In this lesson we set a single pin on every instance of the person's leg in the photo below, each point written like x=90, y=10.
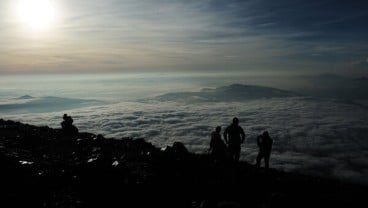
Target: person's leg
x=267, y=160
x=237, y=154
x=259, y=158
x=232, y=152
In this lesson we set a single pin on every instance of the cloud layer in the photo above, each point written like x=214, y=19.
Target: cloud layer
x=313, y=136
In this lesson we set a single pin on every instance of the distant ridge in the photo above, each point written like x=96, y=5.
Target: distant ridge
x=234, y=92
x=24, y=97
x=46, y=104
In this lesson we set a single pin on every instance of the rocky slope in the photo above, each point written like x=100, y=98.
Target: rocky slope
x=44, y=167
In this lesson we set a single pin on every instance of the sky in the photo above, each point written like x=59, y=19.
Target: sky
x=284, y=36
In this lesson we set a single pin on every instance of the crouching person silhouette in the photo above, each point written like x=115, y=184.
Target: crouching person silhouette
x=264, y=143
x=67, y=126
x=217, y=146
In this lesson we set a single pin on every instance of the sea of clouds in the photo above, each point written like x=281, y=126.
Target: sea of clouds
x=323, y=132
x=313, y=136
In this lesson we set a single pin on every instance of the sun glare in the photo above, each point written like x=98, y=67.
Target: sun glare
x=37, y=14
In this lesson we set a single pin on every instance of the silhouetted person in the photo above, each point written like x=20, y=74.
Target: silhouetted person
x=179, y=148
x=264, y=143
x=217, y=146
x=236, y=136
x=67, y=125
x=67, y=121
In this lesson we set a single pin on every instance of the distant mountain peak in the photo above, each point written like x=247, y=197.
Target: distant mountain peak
x=237, y=85
x=25, y=97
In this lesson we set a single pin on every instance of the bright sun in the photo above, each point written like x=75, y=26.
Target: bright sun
x=38, y=14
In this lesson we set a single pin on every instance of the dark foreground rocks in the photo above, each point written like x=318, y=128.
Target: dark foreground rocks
x=44, y=167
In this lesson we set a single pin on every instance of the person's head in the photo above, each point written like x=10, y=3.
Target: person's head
x=265, y=134
x=235, y=121
x=218, y=129
x=65, y=116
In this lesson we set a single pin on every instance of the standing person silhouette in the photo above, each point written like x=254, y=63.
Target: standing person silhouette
x=234, y=135
x=217, y=146
x=264, y=143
